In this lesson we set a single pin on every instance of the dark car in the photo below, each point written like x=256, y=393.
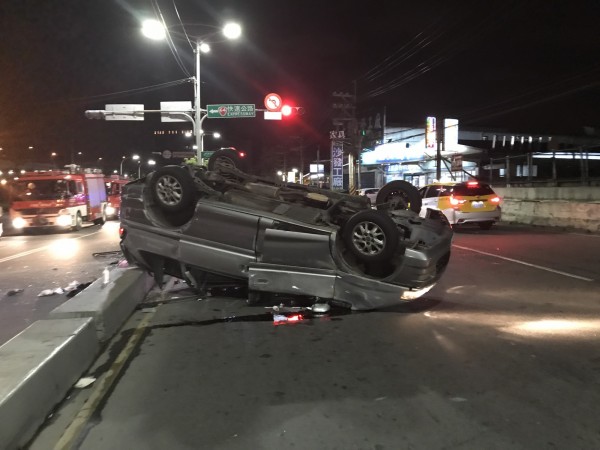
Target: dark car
x=219, y=223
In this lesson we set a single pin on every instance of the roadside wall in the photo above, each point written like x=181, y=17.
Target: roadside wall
x=572, y=207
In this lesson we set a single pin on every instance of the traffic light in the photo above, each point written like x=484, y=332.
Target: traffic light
x=291, y=111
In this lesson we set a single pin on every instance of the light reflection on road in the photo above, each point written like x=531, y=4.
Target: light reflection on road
x=556, y=327
x=564, y=326
x=64, y=248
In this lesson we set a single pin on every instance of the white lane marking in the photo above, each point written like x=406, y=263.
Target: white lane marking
x=566, y=274
x=40, y=249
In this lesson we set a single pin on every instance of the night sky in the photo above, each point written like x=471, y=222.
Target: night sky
x=531, y=66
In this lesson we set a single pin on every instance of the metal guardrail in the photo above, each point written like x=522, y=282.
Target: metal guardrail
x=559, y=168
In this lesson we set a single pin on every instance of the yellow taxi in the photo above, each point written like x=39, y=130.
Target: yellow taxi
x=468, y=202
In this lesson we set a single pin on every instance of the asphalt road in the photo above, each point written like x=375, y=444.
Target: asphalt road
x=502, y=354
x=34, y=263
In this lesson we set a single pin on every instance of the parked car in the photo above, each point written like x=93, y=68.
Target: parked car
x=217, y=224
x=470, y=202
x=370, y=193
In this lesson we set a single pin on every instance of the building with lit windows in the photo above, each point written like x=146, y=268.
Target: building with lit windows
x=501, y=157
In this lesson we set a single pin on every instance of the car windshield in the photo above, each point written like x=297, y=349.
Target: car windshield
x=472, y=189
x=24, y=190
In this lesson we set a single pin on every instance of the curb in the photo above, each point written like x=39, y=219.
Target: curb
x=41, y=364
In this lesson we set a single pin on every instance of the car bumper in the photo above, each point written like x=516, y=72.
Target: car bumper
x=458, y=217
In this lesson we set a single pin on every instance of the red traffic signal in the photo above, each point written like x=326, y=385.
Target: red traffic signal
x=290, y=111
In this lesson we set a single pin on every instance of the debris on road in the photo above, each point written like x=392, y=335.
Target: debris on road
x=48, y=292
x=84, y=382
x=72, y=286
x=80, y=287
x=13, y=292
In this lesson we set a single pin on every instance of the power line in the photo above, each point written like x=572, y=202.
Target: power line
x=170, y=42
x=125, y=93
x=183, y=26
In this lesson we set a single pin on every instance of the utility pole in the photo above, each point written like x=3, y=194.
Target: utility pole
x=440, y=144
x=344, y=123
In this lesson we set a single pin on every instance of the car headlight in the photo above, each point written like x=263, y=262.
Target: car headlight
x=110, y=210
x=18, y=222
x=64, y=218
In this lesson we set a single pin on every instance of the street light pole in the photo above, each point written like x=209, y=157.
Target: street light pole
x=198, y=108
x=156, y=30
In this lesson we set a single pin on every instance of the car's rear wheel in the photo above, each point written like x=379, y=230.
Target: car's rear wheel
x=371, y=236
x=172, y=188
x=227, y=158
x=485, y=225
x=399, y=194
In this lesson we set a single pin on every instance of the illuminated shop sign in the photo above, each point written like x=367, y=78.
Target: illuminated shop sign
x=430, y=133
x=395, y=152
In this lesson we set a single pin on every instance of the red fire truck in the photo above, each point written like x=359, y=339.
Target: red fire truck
x=58, y=198
x=113, y=191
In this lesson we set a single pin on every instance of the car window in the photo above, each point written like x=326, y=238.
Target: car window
x=432, y=191
x=477, y=189
x=444, y=191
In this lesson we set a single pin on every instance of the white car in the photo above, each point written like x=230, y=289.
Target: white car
x=371, y=193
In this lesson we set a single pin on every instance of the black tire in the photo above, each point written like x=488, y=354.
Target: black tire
x=78, y=222
x=399, y=194
x=102, y=219
x=371, y=236
x=172, y=188
x=226, y=158
x=485, y=225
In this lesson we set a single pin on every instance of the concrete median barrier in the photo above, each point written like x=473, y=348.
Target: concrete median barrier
x=108, y=302
x=41, y=364
x=38, y=367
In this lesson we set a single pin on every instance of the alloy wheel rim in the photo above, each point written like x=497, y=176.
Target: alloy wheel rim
x=169, y=190
x=368, y=238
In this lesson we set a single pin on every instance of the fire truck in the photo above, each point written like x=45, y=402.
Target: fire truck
x=113, y=191
x=58, y=199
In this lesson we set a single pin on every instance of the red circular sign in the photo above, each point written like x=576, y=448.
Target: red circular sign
x=223, y=110
x=273, y=102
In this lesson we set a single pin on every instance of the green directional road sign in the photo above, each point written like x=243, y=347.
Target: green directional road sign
x=235, y=111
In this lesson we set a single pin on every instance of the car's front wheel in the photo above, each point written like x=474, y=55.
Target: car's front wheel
x=172, y=188
x=78, y=222
x=399, y=194
x=371, y=236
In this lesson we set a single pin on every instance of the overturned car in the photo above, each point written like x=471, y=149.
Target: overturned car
x=219, y=223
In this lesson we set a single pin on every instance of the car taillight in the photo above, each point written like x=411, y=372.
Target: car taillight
x=280, y=319
x=472, y=183
x=241, y=154
x=495, y=200
x=454, y=201
x=122, y=232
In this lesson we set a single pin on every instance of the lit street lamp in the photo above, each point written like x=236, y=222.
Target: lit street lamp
x=215, y=135
x=123, y=158
x=151, y=162
x=155, y=30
